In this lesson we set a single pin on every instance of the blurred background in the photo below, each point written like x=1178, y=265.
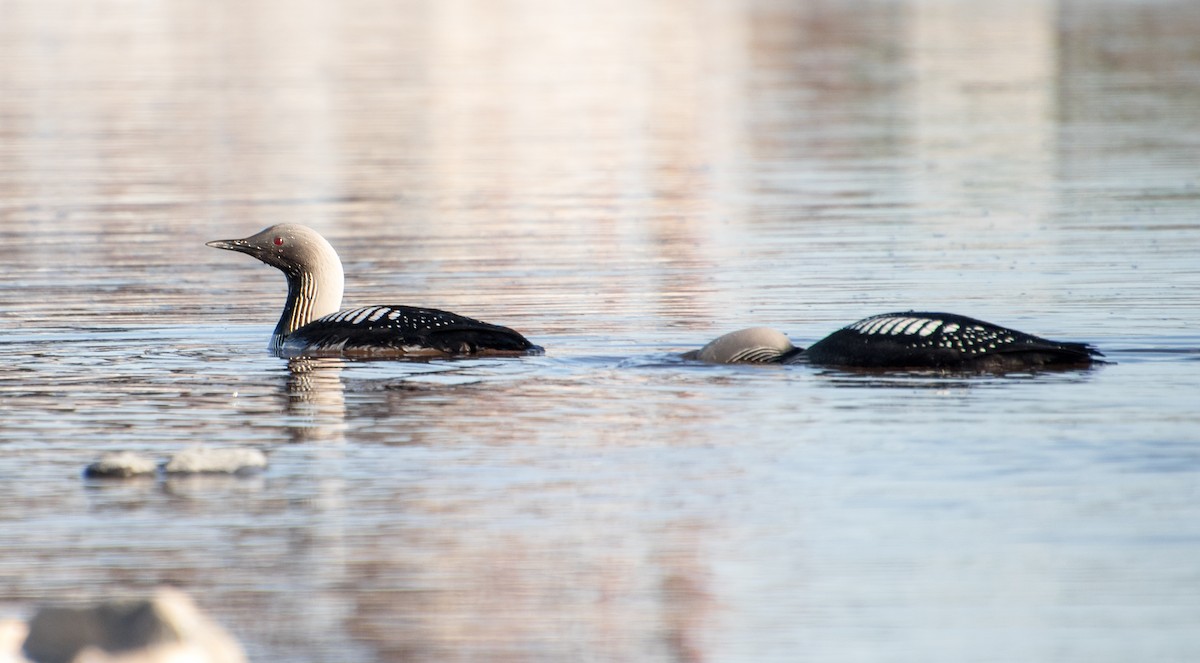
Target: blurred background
x=565, y=145
x=620, y=181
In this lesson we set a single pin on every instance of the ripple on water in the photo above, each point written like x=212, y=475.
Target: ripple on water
x=620, y=185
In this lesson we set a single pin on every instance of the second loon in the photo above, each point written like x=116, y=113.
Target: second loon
x=312, y=325
x=909, y=340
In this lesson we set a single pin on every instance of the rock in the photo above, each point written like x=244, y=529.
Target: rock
x=120, y=465
x=206, y=460
x=12, y=634
x=164, y=628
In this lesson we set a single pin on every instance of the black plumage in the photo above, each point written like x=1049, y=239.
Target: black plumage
x=387, y=330
x=916, y=339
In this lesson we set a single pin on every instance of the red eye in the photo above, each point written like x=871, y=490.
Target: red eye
x=278, y=241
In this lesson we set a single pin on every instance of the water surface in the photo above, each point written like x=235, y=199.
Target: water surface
x=621, y=182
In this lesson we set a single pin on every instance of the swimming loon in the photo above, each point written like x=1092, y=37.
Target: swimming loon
x=904, y=340
x=756, y=345
x=312, y=325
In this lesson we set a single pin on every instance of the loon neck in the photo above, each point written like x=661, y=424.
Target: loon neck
x=311, y=294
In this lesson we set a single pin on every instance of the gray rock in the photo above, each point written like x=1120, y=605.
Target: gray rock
x=166, y=627
x=207, y=460
x=120, y=465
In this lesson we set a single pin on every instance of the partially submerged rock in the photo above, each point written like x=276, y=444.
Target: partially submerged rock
x=120, y=465
x=12, y=634
x=165, y=627
x=207, y=460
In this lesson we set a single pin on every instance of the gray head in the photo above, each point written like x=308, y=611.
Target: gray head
x=314, y=272
x=287, y=246
x=755, y=345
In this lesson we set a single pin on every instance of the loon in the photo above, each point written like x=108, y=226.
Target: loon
x=908, y=340
x=313, y=326
x=756, y=345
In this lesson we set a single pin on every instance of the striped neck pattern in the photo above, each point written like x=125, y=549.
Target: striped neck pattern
x=309, y=297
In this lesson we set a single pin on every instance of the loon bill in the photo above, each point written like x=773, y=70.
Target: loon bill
x=905, y=341
x=313, y=325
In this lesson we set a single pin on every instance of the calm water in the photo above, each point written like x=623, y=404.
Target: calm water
x=621, y=181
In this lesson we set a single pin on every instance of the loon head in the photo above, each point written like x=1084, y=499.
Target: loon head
x=313, y=270
x=755, y=345
x=289, y=247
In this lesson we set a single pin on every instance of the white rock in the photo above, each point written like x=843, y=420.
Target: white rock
x=12, y=634
x=164, y=628
x=120, y=464
x=206, y=460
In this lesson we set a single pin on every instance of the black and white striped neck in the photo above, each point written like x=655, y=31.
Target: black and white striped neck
x=311, y=295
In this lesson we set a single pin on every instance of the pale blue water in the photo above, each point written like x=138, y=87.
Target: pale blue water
x=620, y=182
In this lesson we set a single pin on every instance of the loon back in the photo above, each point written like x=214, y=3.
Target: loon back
x=942, y=340
x=402, y=331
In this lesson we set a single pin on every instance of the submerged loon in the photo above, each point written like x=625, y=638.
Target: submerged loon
x=312, y=325
x=756, y=345
x=904, y=340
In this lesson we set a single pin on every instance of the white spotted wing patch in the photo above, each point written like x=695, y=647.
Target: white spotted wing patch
x=889, y=325
x=927, y=339
x=402, y=331
x=394, y=317
x=896, y=324
x=874, y=326
x=363, y=314
x=924, y=331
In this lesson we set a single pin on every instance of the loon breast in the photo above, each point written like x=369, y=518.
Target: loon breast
x=402, y=331
x=942, y=340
